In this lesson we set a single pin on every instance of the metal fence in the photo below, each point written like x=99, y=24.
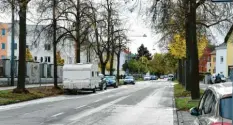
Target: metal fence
x=35, y=72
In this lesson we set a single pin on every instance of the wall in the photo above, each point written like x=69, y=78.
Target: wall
x=3, y=39
x=33, y=73
x=213, y=64
x=221, y=67
x=230, y=53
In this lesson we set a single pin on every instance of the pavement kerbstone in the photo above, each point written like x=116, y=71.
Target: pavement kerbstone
x=185, y=118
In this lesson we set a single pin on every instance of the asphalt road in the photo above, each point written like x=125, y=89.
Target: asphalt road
x=146, y=103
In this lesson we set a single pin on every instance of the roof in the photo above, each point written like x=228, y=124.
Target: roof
x=79, y=66
x=221, y=46
x=228, y=34
x=222, y=89
x=213, y=52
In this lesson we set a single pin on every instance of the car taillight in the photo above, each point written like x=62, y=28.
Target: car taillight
x=220, y=123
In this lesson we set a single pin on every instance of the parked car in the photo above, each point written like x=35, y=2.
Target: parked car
x=153, y=77
x=103, y=84
x=170, y=77
x=217, y=79
x=215, y=107
x=129, y=80
x=161, y=77
x=146, y=77
x=111, y=81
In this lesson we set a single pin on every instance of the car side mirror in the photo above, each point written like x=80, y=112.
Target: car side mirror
x=194, y=111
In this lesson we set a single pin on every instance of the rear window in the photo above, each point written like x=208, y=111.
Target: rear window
x=226, y=108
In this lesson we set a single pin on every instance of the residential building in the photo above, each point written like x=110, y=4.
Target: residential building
x=204, y=66
x=41, y=47
x=221, y=59
x=229, y=42
x=3, y=40
x=213, y=62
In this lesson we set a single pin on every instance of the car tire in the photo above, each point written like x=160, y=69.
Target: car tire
x=115, y=85
x=94, y=90
x=102, y=87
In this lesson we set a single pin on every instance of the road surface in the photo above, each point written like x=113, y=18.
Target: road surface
x=146, y=103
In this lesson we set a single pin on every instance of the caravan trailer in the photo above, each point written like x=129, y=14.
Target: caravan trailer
x=81, y=77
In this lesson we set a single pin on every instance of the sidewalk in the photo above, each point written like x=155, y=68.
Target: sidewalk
x=184, y=118
x=28, y=86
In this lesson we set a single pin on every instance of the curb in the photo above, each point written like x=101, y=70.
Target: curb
x=175, y=113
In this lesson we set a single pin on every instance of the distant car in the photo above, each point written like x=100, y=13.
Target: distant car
x=161, y=77
x=111, y=81
x=146, y=77
x=216, y=79
x=215, y=107
x=129, y=80
x=153, y=77
x=170, y=77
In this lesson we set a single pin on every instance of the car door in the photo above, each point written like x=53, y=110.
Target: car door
x=207, y=108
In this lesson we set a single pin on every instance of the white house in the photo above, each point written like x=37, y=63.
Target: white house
x=41, y=48
x=221, y=59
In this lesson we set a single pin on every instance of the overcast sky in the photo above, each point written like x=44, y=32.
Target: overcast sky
x=137, y=23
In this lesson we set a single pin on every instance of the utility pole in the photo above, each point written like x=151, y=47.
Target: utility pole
x=12, y=42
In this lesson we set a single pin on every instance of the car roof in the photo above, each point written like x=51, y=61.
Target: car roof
x=222, y=89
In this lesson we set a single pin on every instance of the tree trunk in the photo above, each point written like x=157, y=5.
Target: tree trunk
x=118, y=67
x=187, y=39
x=111, y=63
x=22, y=48
x=180, y=71
x=78, y=46
x=54, y=45
x=103, y=67
x=195, y=93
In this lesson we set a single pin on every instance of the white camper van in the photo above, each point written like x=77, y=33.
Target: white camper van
x=81, y=77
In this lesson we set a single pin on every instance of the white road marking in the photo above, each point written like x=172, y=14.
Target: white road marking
x=76, y=118
x=80, y=107
x=98, y=100
x=58, y=114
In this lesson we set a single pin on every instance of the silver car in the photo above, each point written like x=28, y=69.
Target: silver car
x=215, y=107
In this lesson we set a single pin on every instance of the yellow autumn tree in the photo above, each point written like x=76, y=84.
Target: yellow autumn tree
x=28, y=55
x=60, y=61
x=178, y=46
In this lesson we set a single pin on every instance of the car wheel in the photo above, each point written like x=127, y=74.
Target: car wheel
x=94, y=90
x=105, y=87
x=115, y=85
x=125, y=83
x=102, y=87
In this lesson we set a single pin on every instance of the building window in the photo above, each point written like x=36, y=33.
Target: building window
x=15, y=45
x=3, y=57
x=92, y=74
x=47, y=47
x=35, y=58
x=48, y=58
x=35, y=45
x=3, y=46
x=26, y=46
x=3, y=32
x=214, y=59
x=41, y=59
x=221, y=59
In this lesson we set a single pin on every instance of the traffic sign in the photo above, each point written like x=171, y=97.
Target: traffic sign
x=222, y=0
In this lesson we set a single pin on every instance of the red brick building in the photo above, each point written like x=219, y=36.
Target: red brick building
x=204, y=61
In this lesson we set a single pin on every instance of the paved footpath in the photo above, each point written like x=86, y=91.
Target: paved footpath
x=27, y=86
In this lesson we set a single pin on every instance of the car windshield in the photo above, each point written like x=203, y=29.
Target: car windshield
x=129, y=77
x=226, y=108
x=110, y=77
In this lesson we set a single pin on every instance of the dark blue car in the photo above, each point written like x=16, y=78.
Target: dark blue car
x=111, y=81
